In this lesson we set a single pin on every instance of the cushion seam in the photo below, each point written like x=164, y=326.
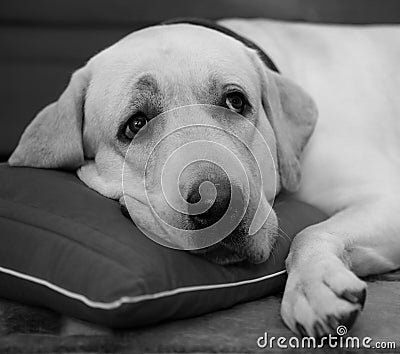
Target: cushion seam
x=126, y=300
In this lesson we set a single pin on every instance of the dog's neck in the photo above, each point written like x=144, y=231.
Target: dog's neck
x=215, y=26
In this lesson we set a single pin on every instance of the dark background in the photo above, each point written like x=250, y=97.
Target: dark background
x=43, y=41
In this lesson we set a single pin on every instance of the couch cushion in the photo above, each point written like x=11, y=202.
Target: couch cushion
x=65, y=247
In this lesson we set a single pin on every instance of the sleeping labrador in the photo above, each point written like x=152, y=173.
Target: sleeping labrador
x=349, y=160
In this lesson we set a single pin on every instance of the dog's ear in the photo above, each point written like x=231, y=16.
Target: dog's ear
x=292, y=114
x=54, y=138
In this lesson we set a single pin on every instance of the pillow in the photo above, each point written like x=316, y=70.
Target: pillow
x=67, y=248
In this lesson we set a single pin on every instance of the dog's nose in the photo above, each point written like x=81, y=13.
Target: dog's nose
x=213, y=196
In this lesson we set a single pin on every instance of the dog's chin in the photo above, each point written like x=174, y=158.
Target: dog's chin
x=221, y=255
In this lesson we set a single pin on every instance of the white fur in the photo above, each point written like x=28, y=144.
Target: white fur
x=351, y=166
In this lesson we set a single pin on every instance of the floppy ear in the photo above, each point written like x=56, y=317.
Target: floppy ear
x=293, y=115
x=54, y=138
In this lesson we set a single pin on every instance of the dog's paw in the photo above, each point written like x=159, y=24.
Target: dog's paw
x=321, y=296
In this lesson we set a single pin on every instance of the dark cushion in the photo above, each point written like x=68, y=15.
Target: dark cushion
x=67, y=248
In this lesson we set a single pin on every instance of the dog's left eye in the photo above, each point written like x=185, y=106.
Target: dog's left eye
x=235, y=101
x=135, y=123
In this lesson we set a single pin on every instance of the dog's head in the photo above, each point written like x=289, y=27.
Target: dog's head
x=107, y=114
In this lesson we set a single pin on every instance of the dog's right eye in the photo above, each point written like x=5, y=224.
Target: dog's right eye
x=236, y=101
x=135, y=123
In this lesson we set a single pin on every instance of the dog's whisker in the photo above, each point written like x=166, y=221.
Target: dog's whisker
x=281, y=232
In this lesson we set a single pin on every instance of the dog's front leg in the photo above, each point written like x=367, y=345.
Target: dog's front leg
x=322, y=290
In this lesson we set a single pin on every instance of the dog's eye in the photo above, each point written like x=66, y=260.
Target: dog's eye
x=235, y=101
x=137, y=122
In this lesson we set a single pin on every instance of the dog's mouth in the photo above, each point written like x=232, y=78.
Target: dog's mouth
x=230, y=250
x=237, y=247
x=220, y=254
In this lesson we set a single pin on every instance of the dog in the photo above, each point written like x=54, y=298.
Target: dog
x=346, y=162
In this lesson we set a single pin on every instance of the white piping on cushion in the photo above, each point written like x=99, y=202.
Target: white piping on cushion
x=132, y=299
